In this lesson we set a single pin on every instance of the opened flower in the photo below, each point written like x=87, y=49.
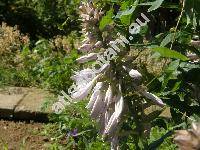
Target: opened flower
x=107, y=101
x=188, y=139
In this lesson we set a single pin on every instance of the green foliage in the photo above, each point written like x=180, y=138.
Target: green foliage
x=46, y=18
x=178, y=83
x=106, y=20
x=166, y=52
x=54, y=68
x=155, y=5
x=126, y=13
x=75, y=117
x=43, y=66
x=159, y=137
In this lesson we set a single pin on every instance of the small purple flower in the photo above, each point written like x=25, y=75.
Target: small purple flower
x=74, y=133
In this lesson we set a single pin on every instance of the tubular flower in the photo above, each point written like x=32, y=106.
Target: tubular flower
x=106, y=103
x=115, y=118
x=83, y=77
x=90, y=17
x=85, y=80
x=98, y=106
x=83, y=91
x=188, y=139
x=86, y=58
x=137, y=76
x=94, y=96
x=86, y=47
x=153, y=98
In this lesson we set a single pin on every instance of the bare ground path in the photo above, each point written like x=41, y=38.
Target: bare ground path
x=22, y=136
x=24, y=103
x=18, y=103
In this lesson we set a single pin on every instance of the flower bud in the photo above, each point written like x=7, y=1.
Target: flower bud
x=95, y=95
x=135, y=74
x=154, y=98
x=83, y=91
x=85, y=16
x=86, y=58
x=86, y=48
x=98, y=44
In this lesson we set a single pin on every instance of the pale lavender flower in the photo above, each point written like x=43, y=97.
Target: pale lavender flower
x=86, y=47
x=98, y=44
x=104, y=68
x=135, y=74
x=83, y=77
x=83, y=91
x=86, y=58
x=115, y=118
x=96, y=93
x=98, y=106
x=137, y=77
x=105, y=107
x=153, y=98
x=109, y=96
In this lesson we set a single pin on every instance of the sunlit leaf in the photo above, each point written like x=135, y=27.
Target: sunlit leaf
x=155, y=5
x=126, y=12
x=106, y=20
x=167, y=39
x=166, y=52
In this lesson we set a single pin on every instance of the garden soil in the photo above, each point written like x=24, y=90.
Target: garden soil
x=22, y=135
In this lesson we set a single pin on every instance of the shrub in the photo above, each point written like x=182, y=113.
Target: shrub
x=11, y=40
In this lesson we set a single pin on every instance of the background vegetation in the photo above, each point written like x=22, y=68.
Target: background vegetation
x=38, y=47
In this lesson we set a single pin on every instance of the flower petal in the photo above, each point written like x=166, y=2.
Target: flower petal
x=86, y=58
x=135, y=74
x=84, y=76
x=98, y=106
x=86, y=47
x=83, y=92
x=94, y=96
x=114, y=120
x=154, y=98
x=98, y=44
x=112, y=124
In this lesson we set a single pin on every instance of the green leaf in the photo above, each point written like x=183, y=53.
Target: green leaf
x=154, y=5
x=167, y=39
x=166, y=52
x=192, y=10
x=130, y=11
x=126, y=19
x=171, y=72
x=106, y=20
x=176, y=86
x=155, y=144
x=183, y=38
x=126, y=13
x=173, y=66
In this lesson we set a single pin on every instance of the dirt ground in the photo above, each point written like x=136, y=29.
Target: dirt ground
x=22, y=136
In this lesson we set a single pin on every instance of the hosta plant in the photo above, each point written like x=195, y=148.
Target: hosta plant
x=114, y=84
x=134, y=59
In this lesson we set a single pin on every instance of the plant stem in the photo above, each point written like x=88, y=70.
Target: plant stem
x=179, y=19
